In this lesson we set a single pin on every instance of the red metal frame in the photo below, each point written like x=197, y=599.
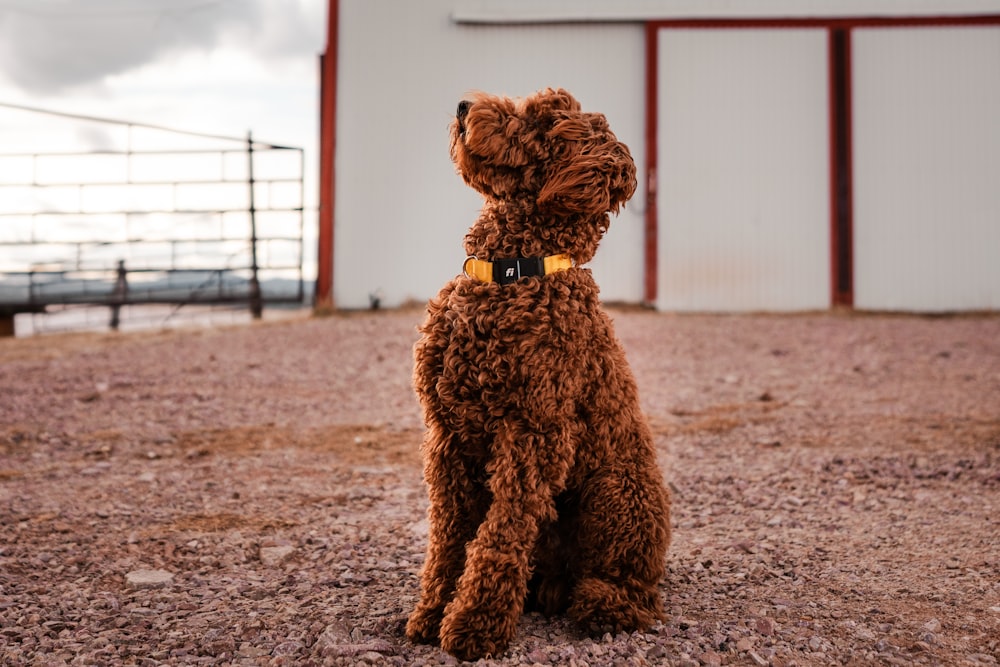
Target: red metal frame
x=327, y=161
x=651, y=238
x=841, y=116
x=839, y=238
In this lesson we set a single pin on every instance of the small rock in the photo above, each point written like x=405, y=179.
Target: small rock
x=757, y=659
x=710, y=659
x=336, y=633
x=248, y=650
x=288, y=648
x=145, y=579
x=932, y=625
x=539, y=655
x=656, y=652
x=275, y=555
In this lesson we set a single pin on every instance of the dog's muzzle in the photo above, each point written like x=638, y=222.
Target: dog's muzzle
x=460, y=114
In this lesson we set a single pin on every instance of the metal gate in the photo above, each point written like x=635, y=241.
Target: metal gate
x=149, y=215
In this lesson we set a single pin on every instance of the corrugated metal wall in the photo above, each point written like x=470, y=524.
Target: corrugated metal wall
x=401, y=211
x=927, y=168
x=743, y=183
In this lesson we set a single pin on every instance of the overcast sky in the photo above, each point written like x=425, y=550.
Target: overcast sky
x=218, y=66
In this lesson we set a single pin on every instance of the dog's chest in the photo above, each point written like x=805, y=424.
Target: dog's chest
x=490, y=347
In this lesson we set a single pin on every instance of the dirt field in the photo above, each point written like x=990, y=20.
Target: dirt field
x=836, y=494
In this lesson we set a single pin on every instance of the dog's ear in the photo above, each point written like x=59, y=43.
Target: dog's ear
x=495, y=134
x=598, y=174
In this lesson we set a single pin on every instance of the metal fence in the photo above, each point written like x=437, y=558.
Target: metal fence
x=154, y=216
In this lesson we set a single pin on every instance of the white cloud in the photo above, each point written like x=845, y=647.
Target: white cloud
x=53, y=46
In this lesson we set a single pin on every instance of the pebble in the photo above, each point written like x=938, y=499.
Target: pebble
x=148, y=579
x=538, y=655
x=275, y=555
x=96, y=469
x=710, y=659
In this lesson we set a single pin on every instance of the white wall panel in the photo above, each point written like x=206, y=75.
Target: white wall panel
x=927, y=168
x=401, y=211
x=743, y=182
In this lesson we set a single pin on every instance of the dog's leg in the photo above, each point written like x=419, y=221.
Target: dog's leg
x=623, y=537
x=457, y=505
x=482, y=619
x=552, y=577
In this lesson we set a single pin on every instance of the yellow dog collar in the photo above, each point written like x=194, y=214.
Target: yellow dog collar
x=506, y=271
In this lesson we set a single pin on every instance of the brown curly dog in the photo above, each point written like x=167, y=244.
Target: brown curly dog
x=543, y=483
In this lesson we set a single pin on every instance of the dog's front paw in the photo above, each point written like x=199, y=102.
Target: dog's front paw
x=600, y=606
x=424, y=625
x=470, y=634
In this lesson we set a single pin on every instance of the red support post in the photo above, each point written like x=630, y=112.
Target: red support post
x=327, y=162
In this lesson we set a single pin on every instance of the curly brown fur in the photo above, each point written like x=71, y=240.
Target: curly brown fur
x=539, y=463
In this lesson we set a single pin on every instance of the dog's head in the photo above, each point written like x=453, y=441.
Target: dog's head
x=543, y=154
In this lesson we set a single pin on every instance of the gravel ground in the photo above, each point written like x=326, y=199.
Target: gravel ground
x=252, y=495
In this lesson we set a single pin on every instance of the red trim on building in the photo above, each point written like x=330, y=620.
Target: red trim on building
x=841, y=139
x=327, y=161
x=841, y=169
x=651, y=233
x=846, y=23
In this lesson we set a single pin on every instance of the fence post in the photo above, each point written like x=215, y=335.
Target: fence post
x=256, y=305
x=6, y=323
x=118, y=295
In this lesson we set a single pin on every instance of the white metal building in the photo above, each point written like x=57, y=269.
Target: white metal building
x=793, y=154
